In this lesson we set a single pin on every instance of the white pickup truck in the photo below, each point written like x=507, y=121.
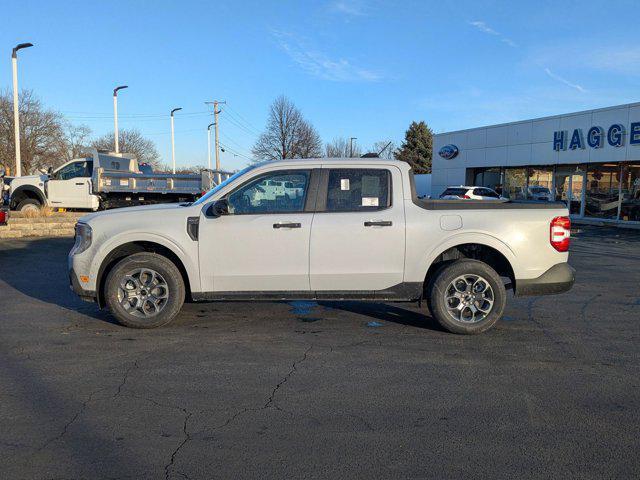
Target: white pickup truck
x=107, y=180
x=357, y=231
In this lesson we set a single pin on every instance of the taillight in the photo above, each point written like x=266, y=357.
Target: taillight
x=466, y=197
x=3, y=217
x=560, y=233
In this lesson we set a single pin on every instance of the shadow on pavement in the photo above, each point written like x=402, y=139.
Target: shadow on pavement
x=388, y=313
x=38, y=268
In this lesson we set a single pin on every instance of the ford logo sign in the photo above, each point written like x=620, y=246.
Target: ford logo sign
x=448, y=152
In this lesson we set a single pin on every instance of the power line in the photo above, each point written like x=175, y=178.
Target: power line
x=229, y=139
x=233, y=113
x=132, y=115
x=235, y=152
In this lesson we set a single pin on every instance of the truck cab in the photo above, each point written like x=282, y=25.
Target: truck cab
x=68, y=186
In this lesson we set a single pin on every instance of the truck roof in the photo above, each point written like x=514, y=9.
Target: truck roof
x=338, y=161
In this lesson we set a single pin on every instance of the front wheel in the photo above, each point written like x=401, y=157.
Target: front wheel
x=467, y=297
x=29, y=206
x=144, y=290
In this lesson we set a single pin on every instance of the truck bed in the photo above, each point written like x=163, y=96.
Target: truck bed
x=486, y=204
x=110, y=181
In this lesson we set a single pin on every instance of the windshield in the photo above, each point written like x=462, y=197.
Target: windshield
x=215, y=189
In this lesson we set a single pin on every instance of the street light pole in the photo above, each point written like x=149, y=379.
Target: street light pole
x=173, y=145
x=209, y=145
x=16, y=111
x=351, y=146
x=115, y=116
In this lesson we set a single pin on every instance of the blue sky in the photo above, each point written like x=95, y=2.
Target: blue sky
x=355, y=68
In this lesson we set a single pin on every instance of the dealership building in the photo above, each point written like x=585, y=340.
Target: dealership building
x=589, y=160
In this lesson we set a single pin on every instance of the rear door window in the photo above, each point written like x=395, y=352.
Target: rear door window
x=358, y=189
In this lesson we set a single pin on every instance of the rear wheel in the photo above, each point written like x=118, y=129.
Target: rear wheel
x=467, y=297
x=144, y=290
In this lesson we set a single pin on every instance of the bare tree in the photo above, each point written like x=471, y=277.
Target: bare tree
x=340, y=147
x=130, y=141
x=76, y=140
x=288, y=134
x=42, y=134
x=385, y=149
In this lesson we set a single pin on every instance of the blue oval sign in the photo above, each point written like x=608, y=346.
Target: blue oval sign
x=448, y=152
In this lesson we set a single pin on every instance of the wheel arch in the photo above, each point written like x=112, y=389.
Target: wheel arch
x=486, y=249
x=125, y=249
x=24, y=192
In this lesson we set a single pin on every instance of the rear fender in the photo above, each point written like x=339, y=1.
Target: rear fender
x=467, y=238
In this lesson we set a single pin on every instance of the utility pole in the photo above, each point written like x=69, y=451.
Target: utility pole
x=115, y=116
x=209, y=145
x=173, y=145
x=16, y=111
x=351, y=146
x=215, y=124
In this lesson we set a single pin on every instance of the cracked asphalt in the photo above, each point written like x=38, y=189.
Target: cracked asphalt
x=329, y=390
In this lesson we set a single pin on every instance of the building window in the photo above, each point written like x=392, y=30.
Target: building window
x=488, y=177
x=540, y=184
x=515, y=183
x=602, y=191
x=630, y=193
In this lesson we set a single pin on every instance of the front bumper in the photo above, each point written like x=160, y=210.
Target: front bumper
x=558, y=279
x=74, y=284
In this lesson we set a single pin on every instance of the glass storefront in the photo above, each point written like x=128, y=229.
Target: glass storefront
x=602, y=191
x=630, y=193
x=515, y=183
x=608, y=191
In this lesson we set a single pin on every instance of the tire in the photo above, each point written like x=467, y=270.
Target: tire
x=466, y=297
x=154, y=288
x=29, y=204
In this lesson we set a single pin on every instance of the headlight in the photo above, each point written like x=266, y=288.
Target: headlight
x=83, y=238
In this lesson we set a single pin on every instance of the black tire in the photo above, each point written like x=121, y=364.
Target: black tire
x=441, y=282
x=27, y=204
x=169, y=273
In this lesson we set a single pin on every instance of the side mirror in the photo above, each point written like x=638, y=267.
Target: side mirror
x=49, y=170
x=219, y=208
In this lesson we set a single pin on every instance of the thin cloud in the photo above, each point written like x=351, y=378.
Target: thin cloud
x=484, y=28
x=345, y=7
x=318, y=64
x=558, y=78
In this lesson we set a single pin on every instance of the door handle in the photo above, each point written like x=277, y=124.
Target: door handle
x=381, y=223
x=79, y=183
x=287, y=225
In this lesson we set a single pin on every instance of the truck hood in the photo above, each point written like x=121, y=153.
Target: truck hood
x=127, y=211
x=28, y=180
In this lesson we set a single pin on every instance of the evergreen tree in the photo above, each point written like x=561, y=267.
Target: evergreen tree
x=417, y=148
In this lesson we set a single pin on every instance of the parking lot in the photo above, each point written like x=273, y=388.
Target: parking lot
x=306, y=390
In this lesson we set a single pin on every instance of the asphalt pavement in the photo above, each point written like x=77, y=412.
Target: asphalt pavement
x=328, y=390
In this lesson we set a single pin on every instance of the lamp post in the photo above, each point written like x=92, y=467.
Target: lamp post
x=173, y=145
x=209, y=145
x=16, y=111
x=115, y=116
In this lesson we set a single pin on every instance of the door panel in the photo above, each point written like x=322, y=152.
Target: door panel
x=263, y=244
x=247, y=253
x=74, y=193
x=70, y=186
x=358, y=250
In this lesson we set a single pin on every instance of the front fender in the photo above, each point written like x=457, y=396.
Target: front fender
x=188, y=259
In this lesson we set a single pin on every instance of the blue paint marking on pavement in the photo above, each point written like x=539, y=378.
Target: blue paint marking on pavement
x=374, y=324
x=302, y=307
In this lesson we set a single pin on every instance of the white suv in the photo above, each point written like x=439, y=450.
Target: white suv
x=464, y=192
